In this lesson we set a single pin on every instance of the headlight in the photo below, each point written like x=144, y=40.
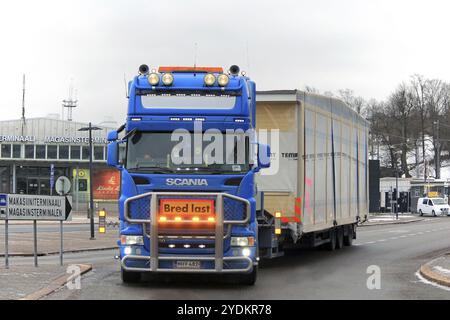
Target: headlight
x=153, y=79
x=223, y=80
x=167, y=79
x=132, y=240
x=210, y=79
x=242, y=241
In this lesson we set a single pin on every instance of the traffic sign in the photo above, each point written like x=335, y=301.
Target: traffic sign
x=35, y=207
x=62, y=186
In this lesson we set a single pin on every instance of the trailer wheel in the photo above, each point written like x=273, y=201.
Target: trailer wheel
x=249, y=279
x=348, y=239
x=130, y=277
x=331, y=245
x=339, y=237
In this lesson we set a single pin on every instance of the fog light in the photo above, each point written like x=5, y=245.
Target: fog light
x=153, y=79
x=167, y=79
x=223, y=80
x=210, y=79
x=128, y=251
x=246, y=252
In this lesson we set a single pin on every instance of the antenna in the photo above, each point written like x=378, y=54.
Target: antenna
x=195, y=54
x=248, y=58
x=70, y=103
x=126, y=86
x=23, y=107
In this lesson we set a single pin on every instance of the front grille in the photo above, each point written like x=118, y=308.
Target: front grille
x=140, y=209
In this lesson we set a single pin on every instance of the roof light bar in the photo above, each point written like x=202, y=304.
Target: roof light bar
x=191, y=69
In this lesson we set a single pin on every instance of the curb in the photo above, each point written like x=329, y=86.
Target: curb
x=390, y=223
x=427, y=272
x=56, y=284
x=52, y=253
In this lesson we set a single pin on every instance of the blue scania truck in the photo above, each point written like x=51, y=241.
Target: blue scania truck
x=196, y=215
x=189, y=159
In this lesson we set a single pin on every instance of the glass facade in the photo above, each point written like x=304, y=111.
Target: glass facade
x=51, y=152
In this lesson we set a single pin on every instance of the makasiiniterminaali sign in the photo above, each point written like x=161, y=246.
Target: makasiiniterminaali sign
x=36, y=207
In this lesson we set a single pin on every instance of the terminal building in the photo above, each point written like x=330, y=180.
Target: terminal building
x=28, y=151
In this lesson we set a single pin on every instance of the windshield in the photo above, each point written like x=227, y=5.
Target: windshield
x=186, y=153
x=439, y=201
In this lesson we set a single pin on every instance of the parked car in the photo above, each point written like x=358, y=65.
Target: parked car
x=433, y=206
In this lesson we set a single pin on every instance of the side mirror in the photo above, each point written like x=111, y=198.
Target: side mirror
x=113, y=154
x=113, y=136
x=264, y=154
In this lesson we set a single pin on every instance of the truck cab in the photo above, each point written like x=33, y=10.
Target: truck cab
x=187, y=199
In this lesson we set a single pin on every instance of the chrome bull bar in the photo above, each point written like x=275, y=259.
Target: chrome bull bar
x=219, y=231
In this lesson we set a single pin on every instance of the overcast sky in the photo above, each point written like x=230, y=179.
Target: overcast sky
x=368, y=46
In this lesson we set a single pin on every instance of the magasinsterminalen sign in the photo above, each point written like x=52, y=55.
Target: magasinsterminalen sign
x=35, y=207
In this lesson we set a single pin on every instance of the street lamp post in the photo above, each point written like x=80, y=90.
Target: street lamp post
x=91, y=191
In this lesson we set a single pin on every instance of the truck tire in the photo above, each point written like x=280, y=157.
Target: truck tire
x=331, y=245
x=348, y=239
x=130, y=277
x=339, y=238
x=249, y=279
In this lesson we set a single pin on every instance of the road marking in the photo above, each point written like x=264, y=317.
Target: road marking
x=425, y=281
x=402, y=236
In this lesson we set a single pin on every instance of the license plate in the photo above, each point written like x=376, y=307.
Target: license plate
x=187, y=265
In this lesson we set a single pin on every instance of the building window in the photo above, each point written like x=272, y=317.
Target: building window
x=6, y=151
x=52, y=152
x=86, y=153
x=29, y=151
x=75, y=152
x=17, y=151
x=40, y=152
x=98, y=153
x=63, y=152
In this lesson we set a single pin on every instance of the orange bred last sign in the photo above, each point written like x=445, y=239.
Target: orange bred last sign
x=186, y=206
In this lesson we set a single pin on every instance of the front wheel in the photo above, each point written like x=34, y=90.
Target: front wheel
x=434, y=213
x=249, y=279
x=130, y=277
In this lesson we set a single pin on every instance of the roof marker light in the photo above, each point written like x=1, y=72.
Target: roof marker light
x=175, y=119
x=239, y=120
x=188, y=119
x=200, y=119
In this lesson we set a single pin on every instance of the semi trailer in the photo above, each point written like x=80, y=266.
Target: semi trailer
x=202, y=191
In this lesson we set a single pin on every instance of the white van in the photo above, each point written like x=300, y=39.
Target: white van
x=433, y=206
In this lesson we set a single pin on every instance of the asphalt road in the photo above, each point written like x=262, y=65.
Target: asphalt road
x=398, y=250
